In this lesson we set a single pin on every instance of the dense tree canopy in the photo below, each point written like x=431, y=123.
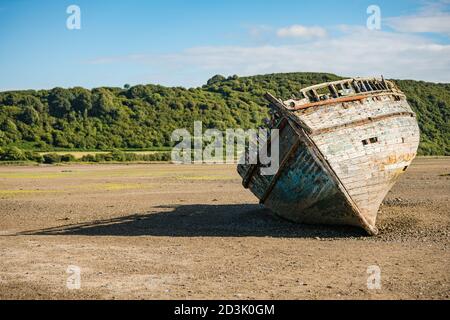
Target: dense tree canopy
x=144, y=116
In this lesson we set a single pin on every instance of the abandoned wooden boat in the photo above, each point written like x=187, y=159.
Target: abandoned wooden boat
x=342, y=147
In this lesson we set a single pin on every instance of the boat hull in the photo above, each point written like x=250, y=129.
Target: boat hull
x=338, y=161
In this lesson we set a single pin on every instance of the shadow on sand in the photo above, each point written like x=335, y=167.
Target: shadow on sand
x=248, y=220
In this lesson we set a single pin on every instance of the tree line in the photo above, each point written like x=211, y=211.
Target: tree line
x=144, y=116
x=14, y=154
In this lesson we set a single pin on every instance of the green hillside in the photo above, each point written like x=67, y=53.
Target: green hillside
x=143, y=116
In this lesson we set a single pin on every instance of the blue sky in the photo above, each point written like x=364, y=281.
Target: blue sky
x=183, y=43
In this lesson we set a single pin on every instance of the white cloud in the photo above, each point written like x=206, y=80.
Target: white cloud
x=359, y=52
x=356, y=52
x=435, y=23
x=299, y=31
x=433, y=17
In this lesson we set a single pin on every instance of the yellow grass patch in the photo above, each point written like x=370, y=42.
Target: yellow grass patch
x=81, y=154
x=13, y=193
x=206, y=178
x=111, y=186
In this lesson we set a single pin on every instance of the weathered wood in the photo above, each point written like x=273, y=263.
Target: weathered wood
x=284, y=111
x=280, y=170
x=347, y=154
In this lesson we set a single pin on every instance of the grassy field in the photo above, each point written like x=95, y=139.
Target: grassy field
x=80, y=154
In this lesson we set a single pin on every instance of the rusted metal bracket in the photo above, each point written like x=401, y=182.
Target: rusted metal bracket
x=329, y=101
